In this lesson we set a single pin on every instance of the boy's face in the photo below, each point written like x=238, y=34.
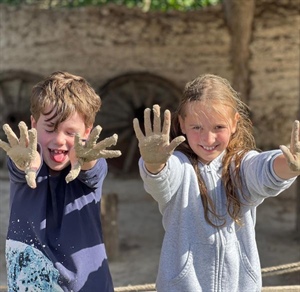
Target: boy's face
x=56, y=145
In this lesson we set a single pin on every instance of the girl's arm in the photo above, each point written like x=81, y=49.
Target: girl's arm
x=155, y=146
x=287, y=165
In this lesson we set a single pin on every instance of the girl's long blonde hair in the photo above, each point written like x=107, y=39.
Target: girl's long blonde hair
x=211, y=89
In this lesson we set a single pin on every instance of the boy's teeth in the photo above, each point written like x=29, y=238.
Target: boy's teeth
x=58, y=151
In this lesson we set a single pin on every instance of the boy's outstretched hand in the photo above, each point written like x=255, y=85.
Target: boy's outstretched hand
x=90, y=150
x=155, y=146
x=23, y=151
x=292, y=154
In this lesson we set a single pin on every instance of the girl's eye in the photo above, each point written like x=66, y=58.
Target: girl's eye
x=196, y=128
x=220, y=127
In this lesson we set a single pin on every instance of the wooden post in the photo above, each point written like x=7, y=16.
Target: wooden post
x=109, y=219
x=298, y=193
x=298, y=208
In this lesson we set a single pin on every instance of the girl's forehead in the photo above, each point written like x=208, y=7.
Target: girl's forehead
x=201, y=108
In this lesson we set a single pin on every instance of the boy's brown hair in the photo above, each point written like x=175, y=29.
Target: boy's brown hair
x=61, y=94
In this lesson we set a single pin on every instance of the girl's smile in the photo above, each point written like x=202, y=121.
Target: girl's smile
x=208, y=129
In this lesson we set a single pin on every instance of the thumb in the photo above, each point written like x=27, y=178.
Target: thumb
x=175, y=142
x=30, y=177
x=75, y=169
x=5, y=146
x=286, y=152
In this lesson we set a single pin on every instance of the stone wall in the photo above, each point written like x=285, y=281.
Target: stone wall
x=103, y=43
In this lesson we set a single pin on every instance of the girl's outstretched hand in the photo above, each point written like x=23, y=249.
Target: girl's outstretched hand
x=23, y=151
x=90, y=150
x=154, y=146
x=292, y=154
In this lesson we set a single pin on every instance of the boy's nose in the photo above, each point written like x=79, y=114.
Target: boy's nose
x=60, y=139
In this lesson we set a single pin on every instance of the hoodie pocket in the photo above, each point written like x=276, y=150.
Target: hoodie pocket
x=238, y=273
x=196, y=274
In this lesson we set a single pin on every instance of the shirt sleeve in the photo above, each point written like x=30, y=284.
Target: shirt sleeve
x=95, y=176
x=164, y=185
x=259, y=177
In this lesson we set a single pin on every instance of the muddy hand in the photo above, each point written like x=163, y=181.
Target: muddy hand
x=23, y=151
x=91, y=150
x=154, y=146
x=292, y=154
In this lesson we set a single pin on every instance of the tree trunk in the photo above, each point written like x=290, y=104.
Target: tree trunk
x=239, y=16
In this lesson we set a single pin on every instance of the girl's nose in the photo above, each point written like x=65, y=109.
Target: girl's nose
x=208, y=137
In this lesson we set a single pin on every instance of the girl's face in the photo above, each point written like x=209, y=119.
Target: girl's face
x=208, y=129
x=56, y=145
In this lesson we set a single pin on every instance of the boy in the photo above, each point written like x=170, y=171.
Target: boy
x=54, y=240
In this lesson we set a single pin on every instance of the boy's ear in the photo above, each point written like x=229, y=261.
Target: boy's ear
x=87, y=132
x=33, y=122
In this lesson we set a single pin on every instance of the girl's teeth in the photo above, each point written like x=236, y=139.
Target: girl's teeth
x=209, y=148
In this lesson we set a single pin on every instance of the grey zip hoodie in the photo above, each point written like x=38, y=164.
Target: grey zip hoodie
x=196, y=256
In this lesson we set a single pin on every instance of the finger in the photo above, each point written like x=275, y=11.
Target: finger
x=110, y=153
x=167, y=123
x=78, y=143
x=147, y=122
x=174, y=143
x=11, y=136
x=4, y=145
x=107, y=142
x=23, y=134
x=156, y=120
x=94, y=135
x=295, y=145
x=32, y=137
x=137, y=129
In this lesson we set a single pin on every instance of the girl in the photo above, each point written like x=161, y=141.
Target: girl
x=208, y=190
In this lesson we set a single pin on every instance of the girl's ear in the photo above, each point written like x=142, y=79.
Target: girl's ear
x=234, y=122
x=33, y=122
x=181, y=122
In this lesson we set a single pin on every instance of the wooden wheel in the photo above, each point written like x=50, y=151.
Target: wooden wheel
x=15, y=90
x=125, y=98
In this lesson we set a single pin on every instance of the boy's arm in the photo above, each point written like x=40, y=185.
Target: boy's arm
x=154, y=146
x=23, y=152
x=87, y=152
x=287, y=165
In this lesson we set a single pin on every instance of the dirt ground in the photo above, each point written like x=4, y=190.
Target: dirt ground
x=140, y=233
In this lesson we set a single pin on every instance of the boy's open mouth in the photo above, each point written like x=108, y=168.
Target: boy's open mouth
x=58, y=155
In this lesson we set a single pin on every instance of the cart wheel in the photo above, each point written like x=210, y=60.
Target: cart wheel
x=15, y=90
x=125, y=98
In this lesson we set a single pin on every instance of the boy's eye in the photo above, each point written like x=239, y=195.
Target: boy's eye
x=72, y=134
x=49, y=131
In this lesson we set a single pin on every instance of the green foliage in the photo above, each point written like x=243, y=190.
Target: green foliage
x=158, y=5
